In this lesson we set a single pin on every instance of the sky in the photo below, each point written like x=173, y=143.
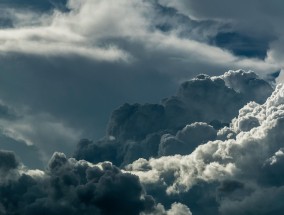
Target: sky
x=164, y=99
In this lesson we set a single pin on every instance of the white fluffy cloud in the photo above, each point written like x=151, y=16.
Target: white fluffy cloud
x=252, y=161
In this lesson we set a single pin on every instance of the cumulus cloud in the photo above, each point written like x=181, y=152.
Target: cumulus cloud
x=176, y=208
x=244, y=166
x=152, y=130
x=196, y=168
x=68, y=186
x=187, y=139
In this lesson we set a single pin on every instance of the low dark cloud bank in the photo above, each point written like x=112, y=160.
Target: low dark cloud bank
x=68, y=186
x=71, y=187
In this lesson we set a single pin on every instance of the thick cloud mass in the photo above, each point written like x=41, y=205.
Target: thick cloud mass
x=240, y=171
x=69, y=186
x=153, y=130
x=210, y=161
x=72, y=187
x=69, y=63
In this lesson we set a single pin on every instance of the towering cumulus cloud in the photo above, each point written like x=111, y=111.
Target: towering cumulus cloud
x=216, y=147
x=233, y=176
x=153, y=130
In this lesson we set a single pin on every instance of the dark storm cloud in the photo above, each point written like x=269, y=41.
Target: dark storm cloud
x=72, y=187
x=153, y=130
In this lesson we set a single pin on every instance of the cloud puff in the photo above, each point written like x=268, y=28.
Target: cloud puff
x=152, y=130
x=176, y=208
x=187, y=139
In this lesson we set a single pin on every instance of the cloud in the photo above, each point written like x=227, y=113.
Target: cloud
x=256, y=203
x=8, y=161
x=78, y=65
x=219, y=170
x=241, y=44
x=153, y=130
x=187, y=139
x=176, y=208
x=90, y=29
x=34, y=136
x=247, y=21
x=245, y=166
x=73, y=187
x=71, y=62
x=43, y=132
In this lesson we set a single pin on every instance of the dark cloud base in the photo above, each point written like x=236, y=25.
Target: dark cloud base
x=71, y=187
